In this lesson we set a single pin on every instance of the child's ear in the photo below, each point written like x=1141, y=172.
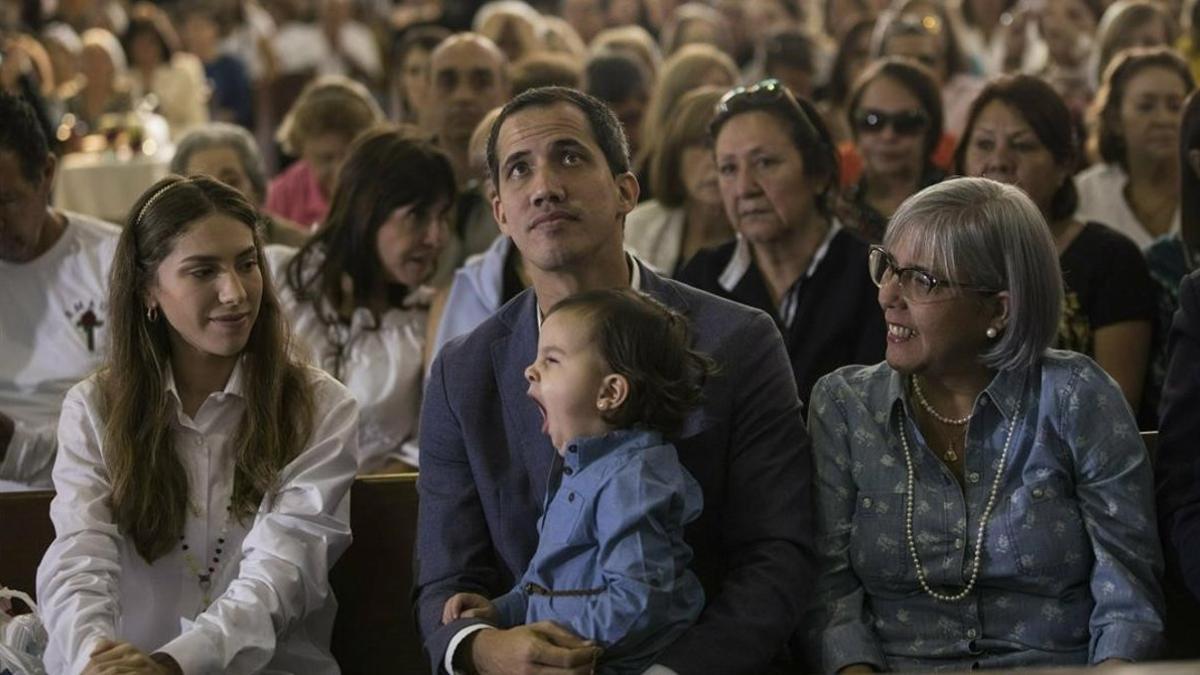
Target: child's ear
x=614, y=391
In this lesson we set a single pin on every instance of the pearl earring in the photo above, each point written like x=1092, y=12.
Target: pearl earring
x=992, y=333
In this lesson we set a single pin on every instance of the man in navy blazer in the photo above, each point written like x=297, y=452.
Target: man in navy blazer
x=1177, y=471
x=559, y=162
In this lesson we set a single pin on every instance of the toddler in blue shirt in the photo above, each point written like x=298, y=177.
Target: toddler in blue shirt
x=614, y=374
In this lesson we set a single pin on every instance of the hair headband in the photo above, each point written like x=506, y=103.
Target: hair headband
x=153, y=198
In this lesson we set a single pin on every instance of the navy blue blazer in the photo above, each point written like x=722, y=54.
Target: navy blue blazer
x=485, y=466
x=1177, y=466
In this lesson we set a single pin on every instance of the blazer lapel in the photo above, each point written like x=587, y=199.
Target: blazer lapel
x=661, y=290
x=510, y=356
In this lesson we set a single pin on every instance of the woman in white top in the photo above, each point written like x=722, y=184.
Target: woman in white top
x=1135, y=132
x=202, y=474
x=160, y=68
x=354, y=292
x=686, y=214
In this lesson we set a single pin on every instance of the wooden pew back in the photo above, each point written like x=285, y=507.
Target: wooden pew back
x=375, y=630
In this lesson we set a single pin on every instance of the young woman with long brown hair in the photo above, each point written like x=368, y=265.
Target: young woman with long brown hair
x=203, y=472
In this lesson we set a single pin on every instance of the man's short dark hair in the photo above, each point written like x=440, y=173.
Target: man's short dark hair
x=606, y=128
x=21, y=134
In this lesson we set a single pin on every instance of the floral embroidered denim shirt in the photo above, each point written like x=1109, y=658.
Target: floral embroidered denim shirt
x=1070, y=550
x=611, y=563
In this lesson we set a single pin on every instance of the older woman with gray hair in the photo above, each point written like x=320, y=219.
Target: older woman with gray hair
x=983, y=501
x=228, y=153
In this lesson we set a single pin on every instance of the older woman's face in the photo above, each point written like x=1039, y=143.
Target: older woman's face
x=1005, y=148
x=223, y=163
x=1149, y=113
x=936, y=336
x=408, y=243
x=886, y=151
x=761, y=176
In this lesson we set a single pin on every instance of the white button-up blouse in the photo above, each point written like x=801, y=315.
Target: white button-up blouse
x=272, y=609
x=381, y=364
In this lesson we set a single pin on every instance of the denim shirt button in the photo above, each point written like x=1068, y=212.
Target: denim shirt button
x=866, y=502
x=972, y=633
x=568, y=470
x=572, y=448
x=1038, y=492
x=973, y=477
x=958, y=542
x=570, y=496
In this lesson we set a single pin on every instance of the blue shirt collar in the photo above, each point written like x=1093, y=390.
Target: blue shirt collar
x=585, y=450
x=1004, y=390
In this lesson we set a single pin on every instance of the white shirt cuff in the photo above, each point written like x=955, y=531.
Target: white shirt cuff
x=457, y=640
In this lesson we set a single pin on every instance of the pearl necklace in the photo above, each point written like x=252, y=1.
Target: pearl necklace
x=987, y=512
x=205, y=579
x=936, y=415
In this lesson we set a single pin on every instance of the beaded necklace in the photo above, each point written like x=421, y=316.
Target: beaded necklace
x=951, y=454
x=987, y=512
x=204, y=579
x=952, y=421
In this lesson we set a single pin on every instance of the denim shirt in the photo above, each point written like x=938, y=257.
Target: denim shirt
x=1070, y=550
x=611, y=536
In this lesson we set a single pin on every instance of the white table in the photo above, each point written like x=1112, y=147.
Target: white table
x=105, y=186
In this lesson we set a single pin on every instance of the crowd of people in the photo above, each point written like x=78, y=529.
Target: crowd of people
x=725, y=336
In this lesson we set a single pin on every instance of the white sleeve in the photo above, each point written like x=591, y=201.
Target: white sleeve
x=77, y=579
x=358, y=44
x=284, y=571
x=29, y=457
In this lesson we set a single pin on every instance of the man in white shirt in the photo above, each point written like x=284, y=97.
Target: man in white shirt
x=53, y=288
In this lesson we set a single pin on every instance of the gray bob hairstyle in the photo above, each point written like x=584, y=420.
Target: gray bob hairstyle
x=224, y=135
x=978, y=231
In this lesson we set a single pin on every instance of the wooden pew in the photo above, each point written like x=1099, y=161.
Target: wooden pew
x=375, y=630
x=25, y=534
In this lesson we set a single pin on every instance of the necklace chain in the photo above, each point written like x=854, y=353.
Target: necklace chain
x=987, y=512
x=954, y=422
x=205, y=577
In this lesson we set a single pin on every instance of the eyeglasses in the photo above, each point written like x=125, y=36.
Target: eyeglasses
x=905, y=122
x=769, y=93
x=916, y=284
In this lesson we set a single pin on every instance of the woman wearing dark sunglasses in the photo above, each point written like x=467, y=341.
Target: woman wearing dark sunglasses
x=1020, y=132
x=983, y=501
x=896, y=119
x=776, y=170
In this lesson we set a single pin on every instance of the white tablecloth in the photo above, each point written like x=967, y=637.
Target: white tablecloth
x=104, y=186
